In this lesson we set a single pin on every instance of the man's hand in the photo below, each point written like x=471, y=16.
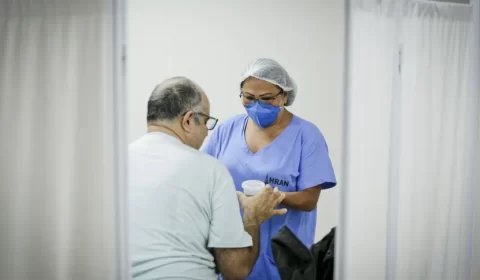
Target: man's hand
x=262, y=206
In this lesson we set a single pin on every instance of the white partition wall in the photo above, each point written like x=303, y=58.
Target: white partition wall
x=363, y=228
x=61, y=140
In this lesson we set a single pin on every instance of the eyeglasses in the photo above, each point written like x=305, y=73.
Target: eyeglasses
x=251, y=98
x=210, y=122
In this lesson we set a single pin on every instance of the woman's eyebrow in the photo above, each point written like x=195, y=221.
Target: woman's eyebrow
x=260, y=95
x=268, y=93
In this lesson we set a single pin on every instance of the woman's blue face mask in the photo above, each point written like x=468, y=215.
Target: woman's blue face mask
x=262, y=113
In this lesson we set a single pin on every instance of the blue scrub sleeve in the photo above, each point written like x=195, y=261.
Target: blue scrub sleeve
x=211, y=146
x=315, y=164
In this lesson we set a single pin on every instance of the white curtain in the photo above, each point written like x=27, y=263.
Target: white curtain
x=58, y=190
x=411, y=142
x=438, y=137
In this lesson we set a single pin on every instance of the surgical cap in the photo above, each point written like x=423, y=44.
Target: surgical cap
x=269, y=70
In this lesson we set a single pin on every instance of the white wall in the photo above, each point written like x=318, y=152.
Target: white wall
x=212, y=41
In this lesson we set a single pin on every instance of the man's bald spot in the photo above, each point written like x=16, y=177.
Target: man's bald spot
x=174, y=97
x=173, y=82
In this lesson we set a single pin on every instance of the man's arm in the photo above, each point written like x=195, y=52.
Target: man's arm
x=236, y=263
x=233, y=256
x=230, y=239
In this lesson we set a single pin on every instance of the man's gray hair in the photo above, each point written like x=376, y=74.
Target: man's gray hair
x=172, y=98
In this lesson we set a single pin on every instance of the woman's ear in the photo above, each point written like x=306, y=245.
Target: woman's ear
x=286, y=99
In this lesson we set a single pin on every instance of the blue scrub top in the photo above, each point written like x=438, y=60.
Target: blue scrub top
x=296, y=160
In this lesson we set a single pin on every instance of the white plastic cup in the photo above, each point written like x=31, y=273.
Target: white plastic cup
x=252, y=187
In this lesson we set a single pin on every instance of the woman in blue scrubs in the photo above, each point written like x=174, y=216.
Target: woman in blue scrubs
x=271, y=144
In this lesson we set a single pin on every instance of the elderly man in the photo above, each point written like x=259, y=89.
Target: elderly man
x=185, y=217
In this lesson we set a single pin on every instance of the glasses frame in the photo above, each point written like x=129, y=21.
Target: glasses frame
x=207, y=118
x=250, y=99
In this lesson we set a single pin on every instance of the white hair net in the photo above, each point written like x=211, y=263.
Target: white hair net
x=271, y=71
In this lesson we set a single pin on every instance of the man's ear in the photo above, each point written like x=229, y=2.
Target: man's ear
x=187, y=120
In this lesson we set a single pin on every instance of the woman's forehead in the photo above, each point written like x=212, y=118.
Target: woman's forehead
x=256, y=86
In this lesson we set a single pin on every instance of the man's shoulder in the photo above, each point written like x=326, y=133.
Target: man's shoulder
x=205, y=163
x=172, y=155
x=205, y=159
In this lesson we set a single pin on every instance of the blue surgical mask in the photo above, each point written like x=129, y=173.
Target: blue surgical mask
x=262, y=113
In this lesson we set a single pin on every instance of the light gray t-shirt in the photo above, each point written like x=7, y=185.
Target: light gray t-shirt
x=182, y=203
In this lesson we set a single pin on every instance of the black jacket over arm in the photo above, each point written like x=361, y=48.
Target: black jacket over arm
x=296, y=262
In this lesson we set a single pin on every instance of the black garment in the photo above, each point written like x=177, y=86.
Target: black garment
x=296, y=262
x=324, y=252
